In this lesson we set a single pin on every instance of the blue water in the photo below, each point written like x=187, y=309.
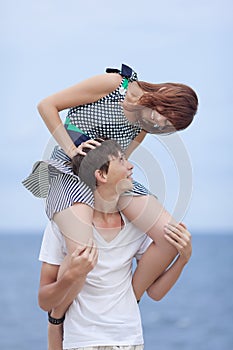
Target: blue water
x=196, y=315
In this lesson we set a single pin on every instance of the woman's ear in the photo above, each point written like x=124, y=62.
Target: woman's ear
x=101, y=177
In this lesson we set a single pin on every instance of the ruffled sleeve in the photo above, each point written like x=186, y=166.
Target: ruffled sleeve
x=126, y=72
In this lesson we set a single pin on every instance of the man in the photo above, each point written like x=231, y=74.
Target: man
x=103, y=313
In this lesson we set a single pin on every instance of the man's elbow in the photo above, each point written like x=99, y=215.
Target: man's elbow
x=154, y=295
x=42, y=304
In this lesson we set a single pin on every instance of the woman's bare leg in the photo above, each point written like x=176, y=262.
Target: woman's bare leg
x=55, y=336
x=75, y=223
x=148, y=214
x=55, y=332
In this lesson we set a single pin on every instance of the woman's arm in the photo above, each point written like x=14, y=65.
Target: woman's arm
x=57, y=282
x=135, y=143
x=180, y=238
x=87, y=91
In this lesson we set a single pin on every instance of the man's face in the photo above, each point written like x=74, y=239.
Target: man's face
x=120, y=174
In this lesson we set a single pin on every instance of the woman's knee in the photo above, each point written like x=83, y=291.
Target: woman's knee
x=75, y=222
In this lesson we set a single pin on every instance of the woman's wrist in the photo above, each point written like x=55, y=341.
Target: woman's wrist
x=71, y=151
x=64, y=140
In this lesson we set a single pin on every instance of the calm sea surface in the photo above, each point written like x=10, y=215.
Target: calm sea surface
x=196, y=315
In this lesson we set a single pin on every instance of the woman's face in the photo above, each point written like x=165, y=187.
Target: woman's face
x=153, y=122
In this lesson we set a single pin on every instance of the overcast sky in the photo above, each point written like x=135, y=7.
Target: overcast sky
x=48, y=45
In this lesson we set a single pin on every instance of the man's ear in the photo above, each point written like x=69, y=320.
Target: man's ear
x=100, y=176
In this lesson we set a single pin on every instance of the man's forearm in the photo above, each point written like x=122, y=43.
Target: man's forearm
x=166, y=281
x=59, y=285
x=61, y=308
x=54, y=294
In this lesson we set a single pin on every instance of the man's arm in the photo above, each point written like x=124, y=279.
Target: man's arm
x=59, y=286
x=180, y=238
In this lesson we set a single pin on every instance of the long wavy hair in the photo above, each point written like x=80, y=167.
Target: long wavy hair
x=177, y=102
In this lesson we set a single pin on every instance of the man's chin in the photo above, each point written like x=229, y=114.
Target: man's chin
x=124, y=186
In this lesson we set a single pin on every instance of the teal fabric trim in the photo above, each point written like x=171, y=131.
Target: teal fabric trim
x=67, y=121
x=72, y=127
x=125, y=84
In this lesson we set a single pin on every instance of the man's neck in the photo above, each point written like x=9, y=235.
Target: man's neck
x=107, y=219
x=105, y=201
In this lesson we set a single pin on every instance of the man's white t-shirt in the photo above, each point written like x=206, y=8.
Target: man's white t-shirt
x=105, y=312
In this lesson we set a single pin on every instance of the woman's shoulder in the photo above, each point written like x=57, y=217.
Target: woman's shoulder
x=125, y=71
x=105, y=82
x=101, y=85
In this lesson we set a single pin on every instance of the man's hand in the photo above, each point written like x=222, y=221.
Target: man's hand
x=181, y=239
x=82, y=260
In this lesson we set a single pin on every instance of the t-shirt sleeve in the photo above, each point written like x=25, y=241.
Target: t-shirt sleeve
x=143, y=247
x=53, y=248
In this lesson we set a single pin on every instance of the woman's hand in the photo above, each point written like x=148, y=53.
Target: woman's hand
x=181, y=239
x=92, y=144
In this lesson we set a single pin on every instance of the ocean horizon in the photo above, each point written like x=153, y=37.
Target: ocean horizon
x=196, y=314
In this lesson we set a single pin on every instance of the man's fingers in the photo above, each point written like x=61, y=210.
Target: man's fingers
x=89, y=249
x=94, y=252
x=89, y=246
x=180, y=230
x=176, y=235
x=87, y=254
x=173, y=242
x=79, y=250
x=173, y=230
x=183, y=225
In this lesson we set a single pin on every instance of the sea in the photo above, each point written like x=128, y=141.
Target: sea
x=197, y=314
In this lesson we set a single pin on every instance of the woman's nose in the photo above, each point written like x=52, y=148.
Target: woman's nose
x=161, y=119
x=130, y=165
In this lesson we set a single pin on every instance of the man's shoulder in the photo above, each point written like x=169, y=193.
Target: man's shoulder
x=129, y=225
x=53, y=248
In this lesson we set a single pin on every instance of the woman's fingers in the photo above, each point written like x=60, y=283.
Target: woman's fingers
x=92, y=144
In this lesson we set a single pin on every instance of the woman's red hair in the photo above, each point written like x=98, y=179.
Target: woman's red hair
x=177, y=102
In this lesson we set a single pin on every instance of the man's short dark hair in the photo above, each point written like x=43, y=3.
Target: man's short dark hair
x=95, y=159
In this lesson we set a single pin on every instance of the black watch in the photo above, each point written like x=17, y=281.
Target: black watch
x=56, y=321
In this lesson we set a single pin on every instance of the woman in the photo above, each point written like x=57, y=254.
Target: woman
x=116, y=106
